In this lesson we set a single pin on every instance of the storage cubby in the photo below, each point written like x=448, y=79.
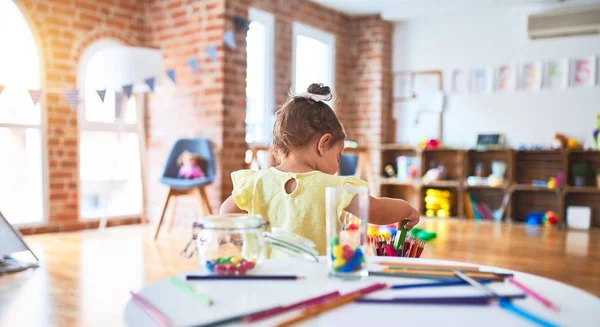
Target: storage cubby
x=409, y=193
x=538, y=165
x=593, y=160
x=524, y=202
x=490, y=196
x=455, y=207
x=452, y=160
x=591, y=200
x=522, y=167
x=486, y=157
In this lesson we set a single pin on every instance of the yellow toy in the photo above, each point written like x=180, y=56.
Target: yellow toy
x=438, y=203
x=573, y=144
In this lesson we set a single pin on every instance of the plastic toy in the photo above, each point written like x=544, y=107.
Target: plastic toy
x=438, y=203
x=549, y=218
x=534, y=218
x=422, y=234
x=429, y=144
x=573, y=144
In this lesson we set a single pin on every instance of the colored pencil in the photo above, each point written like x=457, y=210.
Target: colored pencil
x=423, y=275
x=329, y=305
x=534, y=294
x=448, y=300
x=508, y=306
x=189, y=290
x=483, y=288
x=284, y=308
x=426, y=265
x=444, y=273
x=400, y=240
x=243, y=277
x=151, y=310
x=401, y=266
x=452, y=282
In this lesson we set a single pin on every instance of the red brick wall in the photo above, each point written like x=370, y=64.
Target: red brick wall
x=63, y=29
x=208, y=104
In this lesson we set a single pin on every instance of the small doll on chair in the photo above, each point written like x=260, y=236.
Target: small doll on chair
x=190, y=165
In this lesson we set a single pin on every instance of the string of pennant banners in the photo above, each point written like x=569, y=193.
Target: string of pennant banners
x=72, y=95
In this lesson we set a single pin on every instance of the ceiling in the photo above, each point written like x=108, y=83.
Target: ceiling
x=398, y=10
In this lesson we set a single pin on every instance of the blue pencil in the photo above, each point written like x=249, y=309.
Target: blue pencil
x=508, y=306
x=454, y=282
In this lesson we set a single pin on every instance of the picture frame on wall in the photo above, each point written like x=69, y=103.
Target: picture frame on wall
x=530, y=76
x=460, y=81
x=583, y=72
x=481, y=80
x=556, y=74
x=506, y=78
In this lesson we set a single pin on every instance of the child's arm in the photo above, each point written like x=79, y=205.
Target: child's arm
x=229, y=206
x=385, y=211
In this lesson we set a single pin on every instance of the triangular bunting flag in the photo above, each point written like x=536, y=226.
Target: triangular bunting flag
x=1, y=88
x=211, y=52
x=241, y=23
x=101, y=94
x=193, y=63
x=150, y=82
x=171, y=74
x=229, y=39
x=72, y=97
x=127, y=90
x=35, y=95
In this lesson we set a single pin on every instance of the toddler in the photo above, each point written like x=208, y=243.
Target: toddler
x=308, y=140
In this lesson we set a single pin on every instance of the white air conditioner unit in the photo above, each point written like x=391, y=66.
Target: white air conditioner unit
x=566, y=22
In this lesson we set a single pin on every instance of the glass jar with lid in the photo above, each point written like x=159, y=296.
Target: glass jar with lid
x=237, y=243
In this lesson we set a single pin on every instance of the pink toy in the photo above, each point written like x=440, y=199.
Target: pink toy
x=190, y=165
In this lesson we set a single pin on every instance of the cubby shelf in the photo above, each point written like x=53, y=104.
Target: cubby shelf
x=522, y=167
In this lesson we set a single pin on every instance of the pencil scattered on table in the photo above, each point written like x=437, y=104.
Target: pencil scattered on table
x=189, y=290
x=285, y=308
x=452, y=282
x=547, y=303
x=442, y=300
x=329, y=305
x=152, y=311
x=243, y=277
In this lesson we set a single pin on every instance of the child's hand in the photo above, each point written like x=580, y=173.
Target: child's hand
x=413, y=219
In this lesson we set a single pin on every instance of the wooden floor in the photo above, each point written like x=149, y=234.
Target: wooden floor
x=86, y=276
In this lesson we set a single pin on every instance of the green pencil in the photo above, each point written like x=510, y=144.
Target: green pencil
x=188, y=289
x=399, y=241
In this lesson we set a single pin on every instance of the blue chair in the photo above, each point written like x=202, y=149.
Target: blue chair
x=184, y=187
x=348, y=164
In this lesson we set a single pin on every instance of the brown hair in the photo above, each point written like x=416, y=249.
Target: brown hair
x=302, y=119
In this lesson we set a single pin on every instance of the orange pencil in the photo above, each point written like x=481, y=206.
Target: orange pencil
x=423, y=265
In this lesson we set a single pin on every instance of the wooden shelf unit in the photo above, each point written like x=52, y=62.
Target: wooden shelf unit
x=522, y=166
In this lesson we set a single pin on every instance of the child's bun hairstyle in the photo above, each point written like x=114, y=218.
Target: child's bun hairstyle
x=304, y=118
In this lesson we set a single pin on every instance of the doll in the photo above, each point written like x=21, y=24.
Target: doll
x=190, y=165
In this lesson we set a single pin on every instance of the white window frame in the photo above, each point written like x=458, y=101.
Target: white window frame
x=317, y=34
x=118, y=126
x=268, y=20
x=43, y=128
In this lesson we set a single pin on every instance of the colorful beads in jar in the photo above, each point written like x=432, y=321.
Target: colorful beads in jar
x=230, y=266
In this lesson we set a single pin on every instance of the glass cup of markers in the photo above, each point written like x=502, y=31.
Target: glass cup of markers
x=388, y=241
x=347, y=232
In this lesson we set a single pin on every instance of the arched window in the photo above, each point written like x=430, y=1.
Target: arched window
x=110, y=134
x=21, y=155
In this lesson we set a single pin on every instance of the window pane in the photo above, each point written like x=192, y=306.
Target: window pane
x=130, y=108
x=110, y=174
x=312, y=63
x=256, y=42
x=16, y=107
x=21, y=198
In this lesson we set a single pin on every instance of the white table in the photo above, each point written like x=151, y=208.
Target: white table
x=578, y=308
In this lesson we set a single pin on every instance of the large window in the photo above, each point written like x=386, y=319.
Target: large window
x=313, y=57
x=259, y=79
x=110, y=167
x=21, y=158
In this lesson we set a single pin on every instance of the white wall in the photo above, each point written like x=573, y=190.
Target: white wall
x=490, y=39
